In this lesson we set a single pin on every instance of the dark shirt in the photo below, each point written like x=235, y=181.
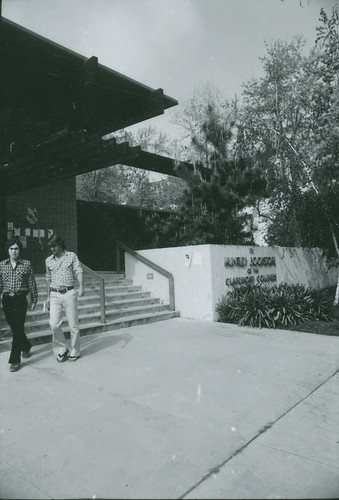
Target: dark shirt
x=19, y=279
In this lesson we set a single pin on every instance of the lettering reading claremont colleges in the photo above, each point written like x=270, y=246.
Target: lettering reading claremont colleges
x=261, y=278
x=252, y=264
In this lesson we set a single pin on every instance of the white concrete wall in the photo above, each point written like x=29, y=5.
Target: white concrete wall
x=190, y=266
x=151, y=280
x=306, y=266
x=224, y=267
x=203, y=273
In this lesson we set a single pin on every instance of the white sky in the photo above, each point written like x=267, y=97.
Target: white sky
x=176, y=45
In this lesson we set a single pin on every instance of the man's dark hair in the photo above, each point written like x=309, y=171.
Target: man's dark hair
x=56, y=240
x=13, y=241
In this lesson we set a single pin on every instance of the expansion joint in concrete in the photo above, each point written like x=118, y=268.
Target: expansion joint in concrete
x=24, y=478
x=301, y=456
x=217, y=468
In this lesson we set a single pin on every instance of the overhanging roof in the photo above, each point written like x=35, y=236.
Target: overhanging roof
x=45, y=88
x=55, y=106
x=74, y=154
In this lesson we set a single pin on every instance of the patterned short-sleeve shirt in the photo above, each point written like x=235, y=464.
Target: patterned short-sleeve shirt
x=18, y=279
x=63, y=271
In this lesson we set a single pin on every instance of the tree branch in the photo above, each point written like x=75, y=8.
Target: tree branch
x=261, y=214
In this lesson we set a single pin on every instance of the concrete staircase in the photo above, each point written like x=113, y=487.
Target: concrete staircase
x=126, y=305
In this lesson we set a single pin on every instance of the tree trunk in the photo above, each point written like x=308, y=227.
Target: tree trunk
x=336, y=298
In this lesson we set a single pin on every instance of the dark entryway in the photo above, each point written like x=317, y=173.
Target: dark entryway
x=101, y=224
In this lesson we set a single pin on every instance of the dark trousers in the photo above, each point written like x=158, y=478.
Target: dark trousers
x=15, y=309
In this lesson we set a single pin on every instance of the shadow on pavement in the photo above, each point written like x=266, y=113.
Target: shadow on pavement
x=88, y=347
x=92, y=346
x=39, y=353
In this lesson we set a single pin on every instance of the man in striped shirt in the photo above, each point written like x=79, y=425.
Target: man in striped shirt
x=62, y=268
x=16, y=282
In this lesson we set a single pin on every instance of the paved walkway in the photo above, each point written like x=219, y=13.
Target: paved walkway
x=177, y=409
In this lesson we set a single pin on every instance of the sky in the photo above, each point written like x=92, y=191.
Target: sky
x=176, y=45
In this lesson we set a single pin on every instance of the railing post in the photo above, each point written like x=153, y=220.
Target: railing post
x=102, y=301
x=117, y=246
x=171, y=292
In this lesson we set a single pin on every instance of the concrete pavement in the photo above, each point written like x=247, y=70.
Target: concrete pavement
x=176, y=409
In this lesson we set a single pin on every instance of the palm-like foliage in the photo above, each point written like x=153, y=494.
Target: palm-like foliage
x=260, y=306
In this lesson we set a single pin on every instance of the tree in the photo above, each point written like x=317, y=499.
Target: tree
x=328, y=42
x=215, y=200
x=288, y=126
x=191, y=118
x=272, y=115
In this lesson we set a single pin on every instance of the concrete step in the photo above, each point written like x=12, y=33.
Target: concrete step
x=92, y=285
x=114, y=289
x=111, y=314
x=126, y=305
x=110, y=274
x=108, y=277
x=110, y=299
x=108, y=284
x=92, y=308
x=94, y=298
x=45, y=336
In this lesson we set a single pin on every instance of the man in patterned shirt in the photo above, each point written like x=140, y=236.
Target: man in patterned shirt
x=62, y=267
x=16, y=281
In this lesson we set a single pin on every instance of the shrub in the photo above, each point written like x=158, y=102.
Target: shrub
x=258, y=305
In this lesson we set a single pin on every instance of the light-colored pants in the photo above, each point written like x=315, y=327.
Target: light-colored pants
x=67, y=302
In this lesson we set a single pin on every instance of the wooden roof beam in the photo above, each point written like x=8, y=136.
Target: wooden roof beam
x=90, y=73
x=85, y=157
x=164, y=164
x=29, y=177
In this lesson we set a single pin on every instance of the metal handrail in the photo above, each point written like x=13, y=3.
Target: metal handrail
x=101, y=280
x=149, y=263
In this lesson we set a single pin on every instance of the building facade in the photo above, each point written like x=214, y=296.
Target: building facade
x=58, y=111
